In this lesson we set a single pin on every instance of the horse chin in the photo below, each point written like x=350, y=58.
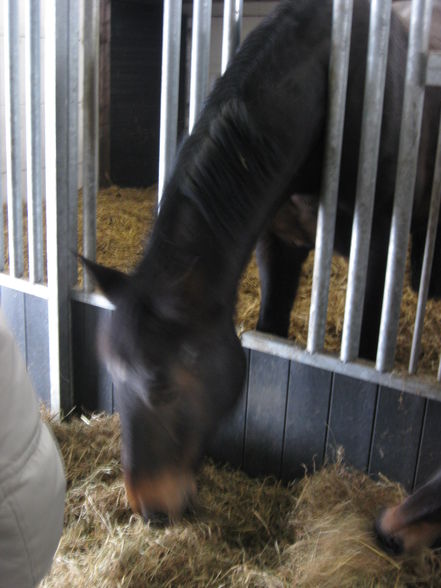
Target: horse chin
x=162, y=497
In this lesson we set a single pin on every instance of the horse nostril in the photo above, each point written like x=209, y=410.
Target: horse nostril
x=390, y=543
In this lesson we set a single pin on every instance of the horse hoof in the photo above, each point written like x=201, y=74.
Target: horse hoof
x=156, y=519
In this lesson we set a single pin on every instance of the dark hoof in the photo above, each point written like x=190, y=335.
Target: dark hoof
x=389, y=543
x=156, y=519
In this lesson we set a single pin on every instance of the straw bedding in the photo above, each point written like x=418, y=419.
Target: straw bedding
x=245, y=532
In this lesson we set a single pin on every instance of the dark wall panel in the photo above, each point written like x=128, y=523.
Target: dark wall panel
x=37, y=345
x=267, y=389
x=430, y=452
x=351, y=420
x=93, y=388
x=306, y=419
x=228, y=443
x=397, y=435
x=27, y=318
x=14, y=311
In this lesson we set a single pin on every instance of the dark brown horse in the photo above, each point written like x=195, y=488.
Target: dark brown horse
x=171, y=344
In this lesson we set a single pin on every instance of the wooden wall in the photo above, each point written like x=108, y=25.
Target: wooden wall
x=27, y=318
x=293, y=415
x=290, y=415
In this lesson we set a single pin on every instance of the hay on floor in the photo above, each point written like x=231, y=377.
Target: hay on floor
x=124, y=220
x=245, y=532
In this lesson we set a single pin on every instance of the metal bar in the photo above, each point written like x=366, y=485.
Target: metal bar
x=405, y=185
x=338, y=76
x=361, y=369
x=13, y=143
x=432, y=227
x=200, y=58
x=90, y=132
x=72, y=138
x=433, y=71
x=439, y=372
x=33, y=143
x=92, y=298
x=171, y=50
x=60, y=166
x=21, y=285
x=231, y=31
x=366, y=179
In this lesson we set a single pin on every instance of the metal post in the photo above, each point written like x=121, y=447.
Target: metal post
x=367, y=174
x=90, y=131
x=13, y=143
x=405, y=185
x=231, y=32
x=171, y=50
x=61, y=165
x=200, y=58
x=338, y=76
x=33, y=144
x=432, y=227
x=72, y=138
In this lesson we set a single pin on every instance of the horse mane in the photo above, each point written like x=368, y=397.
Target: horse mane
x=225, y=165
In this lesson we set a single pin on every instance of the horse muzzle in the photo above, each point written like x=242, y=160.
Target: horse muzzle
x=163, y=497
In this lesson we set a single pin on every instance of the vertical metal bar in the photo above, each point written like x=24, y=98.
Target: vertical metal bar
x=405, y=185
x=367, y=172
x=171, y=50
x=90, y=131
x=200, y=58
x=13, y=143
x=60, y=166
x=72, y=138
x=33, y=143
x=338, y=75
x=439, y=372
x=432, y=227
x=231, y=32
x=2, y=220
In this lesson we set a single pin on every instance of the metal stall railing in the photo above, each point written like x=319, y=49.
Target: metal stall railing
x=418, y=69
x=54, y=152
x=61, y=90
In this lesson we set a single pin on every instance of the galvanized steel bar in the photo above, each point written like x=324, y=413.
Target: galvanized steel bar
x=33, y=143
x=73, y=134
x=231, y=31
x=405, y=185
x=367, y=172
x=200, y=58
x=2, y=241
x=61, y=165
x=90, y=131
x=12, y=136
x=171, y=51
x=432, y=227
x=338, y=75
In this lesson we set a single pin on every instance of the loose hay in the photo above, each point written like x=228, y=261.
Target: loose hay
x=245, y=532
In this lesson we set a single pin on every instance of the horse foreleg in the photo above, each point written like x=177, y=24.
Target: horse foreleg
x=280, y=266
x=414, y=523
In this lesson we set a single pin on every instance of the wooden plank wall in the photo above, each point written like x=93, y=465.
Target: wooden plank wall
x=28, y=320
x=290, y=417
x=293, y=417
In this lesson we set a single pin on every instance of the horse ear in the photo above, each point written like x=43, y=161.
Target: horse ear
x=109, y=281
